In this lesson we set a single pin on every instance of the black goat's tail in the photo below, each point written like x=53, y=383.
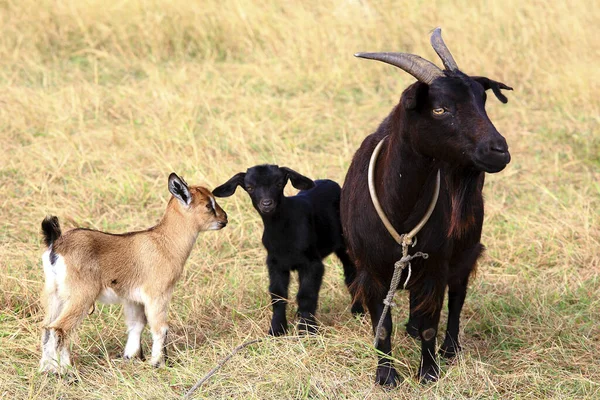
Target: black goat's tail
x=50, y=230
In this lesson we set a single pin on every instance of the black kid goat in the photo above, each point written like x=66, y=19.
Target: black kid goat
x=299, y=232
x=440, y=125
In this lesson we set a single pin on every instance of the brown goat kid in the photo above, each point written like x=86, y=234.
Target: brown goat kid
x=440, y=124
x=138, y=269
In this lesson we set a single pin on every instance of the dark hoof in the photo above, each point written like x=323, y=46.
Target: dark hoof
x=357, y=309
x=139, y=356
x=307, y=328
x=412, y=330
x=387, y=377
x=429, y=374
x=450, y=350
x=278, y=331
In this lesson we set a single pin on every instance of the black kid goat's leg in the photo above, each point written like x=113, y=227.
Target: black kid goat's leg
x=279, y=280
x=310, y=276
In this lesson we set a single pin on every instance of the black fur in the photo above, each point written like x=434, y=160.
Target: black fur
x=299, y=232
x=463, y=144
x=51, y=232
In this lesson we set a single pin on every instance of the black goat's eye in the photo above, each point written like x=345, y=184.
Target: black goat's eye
x=250, y=189
x=438, y=111
x=280, y=185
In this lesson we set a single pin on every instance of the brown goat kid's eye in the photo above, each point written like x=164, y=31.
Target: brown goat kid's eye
x=438, y=111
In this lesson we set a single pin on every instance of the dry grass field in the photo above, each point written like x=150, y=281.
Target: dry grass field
x=100, y=101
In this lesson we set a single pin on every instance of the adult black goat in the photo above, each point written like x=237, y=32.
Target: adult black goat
x=440, y=124
x=300, y=231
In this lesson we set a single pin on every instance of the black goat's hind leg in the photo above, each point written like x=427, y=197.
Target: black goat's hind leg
x=386, y=375
x=457, y=291
x=412, y=326
x=349, y=276
x=311, y=276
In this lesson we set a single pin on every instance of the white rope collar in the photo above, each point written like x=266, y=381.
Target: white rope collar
x=404, y=240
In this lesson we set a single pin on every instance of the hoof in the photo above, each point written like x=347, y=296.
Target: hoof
x=357, y=309
x=450, y=351
x=277, y=331
x=158, y=363
x=429, y=374
x=387, y=377
x=136, y=356
x=307, y=327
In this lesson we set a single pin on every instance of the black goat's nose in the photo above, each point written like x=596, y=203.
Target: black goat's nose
x=266, y=202
x=498, y=148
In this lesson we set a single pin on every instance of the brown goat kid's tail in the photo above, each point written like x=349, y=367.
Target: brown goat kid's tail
x=50, y=230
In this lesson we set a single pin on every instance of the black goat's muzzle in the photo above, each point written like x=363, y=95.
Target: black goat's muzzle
x=492, y=155
x=266, y=206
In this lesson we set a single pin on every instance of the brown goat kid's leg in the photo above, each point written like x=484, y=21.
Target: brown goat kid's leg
x=54, y=306
x=386, y=374
x=135, y=318
x=60, y=330
x=156, y=312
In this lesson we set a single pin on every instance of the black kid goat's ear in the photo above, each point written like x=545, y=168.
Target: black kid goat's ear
x=300, y=182
x=494, y=85
x=228, y=188
x=179, y=189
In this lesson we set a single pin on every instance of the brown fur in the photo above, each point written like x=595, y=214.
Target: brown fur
x=140, y=267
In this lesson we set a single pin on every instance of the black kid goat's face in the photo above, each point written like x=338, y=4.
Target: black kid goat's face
x=453, y=124
x=447, y=109
x=264, y=184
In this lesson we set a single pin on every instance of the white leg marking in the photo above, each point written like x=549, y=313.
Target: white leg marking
x=158, y=346
x=135, y=318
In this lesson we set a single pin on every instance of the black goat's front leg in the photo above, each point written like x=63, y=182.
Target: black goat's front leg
x=457, y=291
x=279, y=280
x=349, y=277
x=310, y=276
x=427, y=315
x=386, y=374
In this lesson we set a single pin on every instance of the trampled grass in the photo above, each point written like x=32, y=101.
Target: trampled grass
x=100, y=101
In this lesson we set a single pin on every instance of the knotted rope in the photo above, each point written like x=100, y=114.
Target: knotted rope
x=405, y=240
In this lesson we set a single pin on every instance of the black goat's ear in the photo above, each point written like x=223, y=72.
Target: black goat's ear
x=413, y=95
x=179, y=189
x=228, y=188
x=298, y=181
x=494, y=85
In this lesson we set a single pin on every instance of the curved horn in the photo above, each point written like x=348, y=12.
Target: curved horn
x=418, y=67
x=442, y=50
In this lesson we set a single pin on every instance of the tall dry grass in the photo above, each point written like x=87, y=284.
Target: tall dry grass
x=100, y=101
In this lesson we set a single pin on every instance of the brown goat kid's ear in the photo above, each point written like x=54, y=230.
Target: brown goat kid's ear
x=228, y=188
x=299, y=181
x=494, y=85
x=179, y=188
